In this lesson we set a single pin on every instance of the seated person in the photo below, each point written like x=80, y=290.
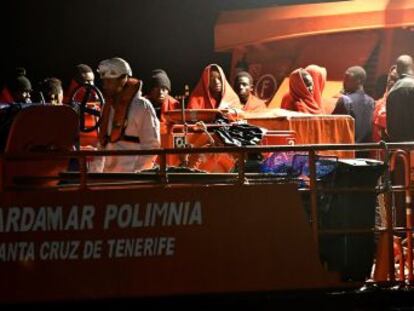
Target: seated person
x=83, y=75
x=319, y=76
x=18, y=89
x=52, y=91
x=159, y=94
x=6, y=94
x=243, y=85
x=213, y=91
x=301, y=93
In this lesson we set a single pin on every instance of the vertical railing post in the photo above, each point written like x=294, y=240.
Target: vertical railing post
x=163, y=168
x=241, y=166
x=2, y=175
x=314, y=197
x=83, y=172
x=389, y=234
x=389, y=227
x=409, y=212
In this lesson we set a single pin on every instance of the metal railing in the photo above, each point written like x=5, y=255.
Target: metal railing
x=392, y=151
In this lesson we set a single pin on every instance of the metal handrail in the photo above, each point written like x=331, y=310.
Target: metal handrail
x=242, y=176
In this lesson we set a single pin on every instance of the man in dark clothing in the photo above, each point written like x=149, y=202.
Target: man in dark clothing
x=356, y=103
x=400, y=125
x=400, y=102
x=405, y=66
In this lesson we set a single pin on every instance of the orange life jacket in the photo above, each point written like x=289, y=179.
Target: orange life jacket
x=121, y=106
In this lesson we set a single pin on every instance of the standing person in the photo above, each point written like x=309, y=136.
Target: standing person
x=379, y=130
x=129, y=121
x=159, y=94
x=301, y=93
x=400, y=125
x=243, y=86
x=356, y=103
x=405, y=66
x=400, y=102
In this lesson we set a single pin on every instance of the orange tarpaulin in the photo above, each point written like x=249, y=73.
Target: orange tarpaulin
x=314, y=129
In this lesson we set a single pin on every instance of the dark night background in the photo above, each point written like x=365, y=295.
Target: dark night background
x=49, y=37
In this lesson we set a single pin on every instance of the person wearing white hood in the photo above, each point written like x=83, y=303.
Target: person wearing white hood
x=128, y=120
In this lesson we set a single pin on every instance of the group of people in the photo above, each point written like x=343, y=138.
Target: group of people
x=130, y=120
x=371, y=123
x=18, y=88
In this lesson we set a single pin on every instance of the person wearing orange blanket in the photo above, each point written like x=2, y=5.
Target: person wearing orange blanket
x=159, y=94
x=213, y=91
x=319, y=77
x=5, y=96
x=243, y=85
x=301, y=93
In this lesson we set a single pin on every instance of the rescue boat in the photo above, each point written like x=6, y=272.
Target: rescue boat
x=188, y=233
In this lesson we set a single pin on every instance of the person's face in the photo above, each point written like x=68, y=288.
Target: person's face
x=88, y=77
x=392, y=78
x=22, y=96
x=307, y=79
x=216, y=84
x=351, y=83
x=243, y=87
x=159, y=94
x=113, y=87
x=56, y=99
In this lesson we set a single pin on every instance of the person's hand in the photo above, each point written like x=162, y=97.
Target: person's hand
x=200, y=125
x=93, y=106
x=233, y=114
x=89, y=159
x=88, y=148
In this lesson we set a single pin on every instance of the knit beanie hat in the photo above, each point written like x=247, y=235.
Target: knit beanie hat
x=159, y=78
x=20, y=84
